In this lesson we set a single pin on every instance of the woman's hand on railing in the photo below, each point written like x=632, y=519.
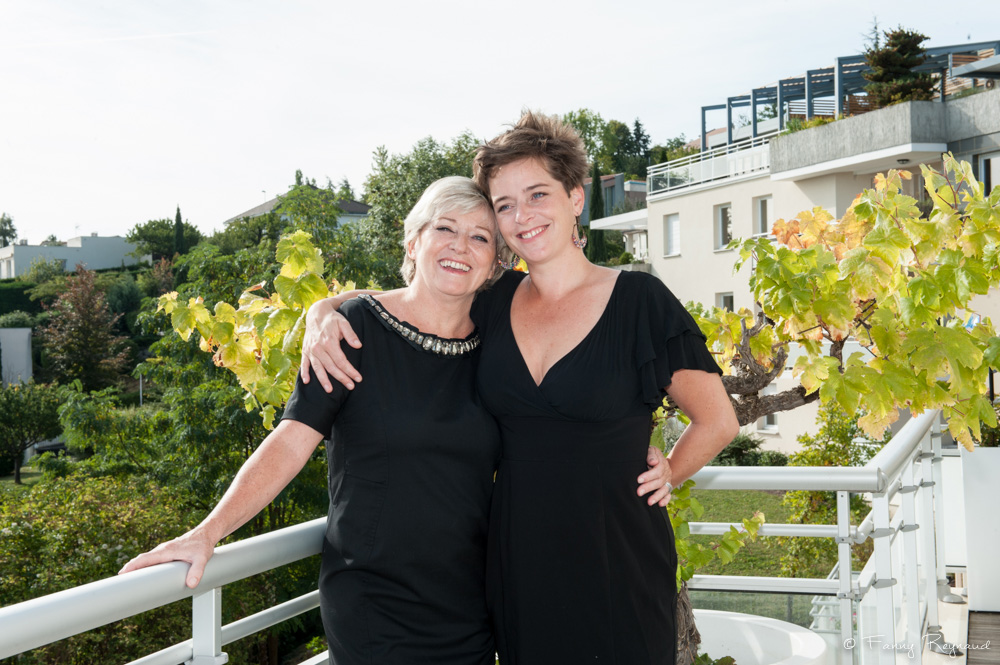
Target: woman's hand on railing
x=194, y=547
x=656, y=481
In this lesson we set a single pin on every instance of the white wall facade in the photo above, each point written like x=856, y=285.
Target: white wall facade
x=95, y=252
x=15, y=354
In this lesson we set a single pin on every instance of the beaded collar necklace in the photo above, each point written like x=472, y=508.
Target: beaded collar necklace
x=427, y=342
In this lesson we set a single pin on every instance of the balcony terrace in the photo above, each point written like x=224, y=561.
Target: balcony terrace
x=892, y=600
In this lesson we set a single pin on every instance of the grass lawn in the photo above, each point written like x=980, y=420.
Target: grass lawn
x=29, y=476
x=761, y=558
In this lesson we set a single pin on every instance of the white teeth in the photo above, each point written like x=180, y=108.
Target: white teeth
x=455, y=265
x=532, y=233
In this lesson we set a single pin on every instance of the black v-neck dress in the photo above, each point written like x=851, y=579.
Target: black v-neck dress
x=412, y=454
x=579, y=568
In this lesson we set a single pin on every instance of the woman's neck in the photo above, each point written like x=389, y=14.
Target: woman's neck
x=552, y=280
x=435, y=313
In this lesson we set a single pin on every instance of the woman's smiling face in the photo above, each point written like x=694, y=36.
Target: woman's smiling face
x=456, y=253
x=535, y=213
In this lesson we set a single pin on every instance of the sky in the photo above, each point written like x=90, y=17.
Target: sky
x=116, y=112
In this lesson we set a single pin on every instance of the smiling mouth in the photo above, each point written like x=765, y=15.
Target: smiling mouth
x=528, y=235
x=455, y=265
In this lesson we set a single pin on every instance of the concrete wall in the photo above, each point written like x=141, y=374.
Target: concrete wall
x=902, y=124
x=15, y=352
x=968, y=125
x=95, y=252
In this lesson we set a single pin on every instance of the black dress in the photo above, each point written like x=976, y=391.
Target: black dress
x=412, y=455
x=580, y=569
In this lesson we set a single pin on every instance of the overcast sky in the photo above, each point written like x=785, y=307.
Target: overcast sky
x=115, y=112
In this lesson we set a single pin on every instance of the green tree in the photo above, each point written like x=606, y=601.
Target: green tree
x=344, y=190
x=157, y=237
x=596, y=247
x=79, y=338
x=833, y=445
x=27, y=416
x=312, y=209
x=8, y=234
x=43, y=270
x=670, y=150
x=392, y=189
x=68, y=532
x=179, y=246
x=591, y=127
x=250, y=233
x=891, y=75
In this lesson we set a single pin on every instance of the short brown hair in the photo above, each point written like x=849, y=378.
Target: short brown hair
x=543, y=137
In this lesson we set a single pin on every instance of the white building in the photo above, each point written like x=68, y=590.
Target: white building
x=696, y=205
x=15, y=355
x=93, y=251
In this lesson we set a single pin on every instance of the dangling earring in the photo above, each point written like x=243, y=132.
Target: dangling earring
x=509, y=265
x=579, y=239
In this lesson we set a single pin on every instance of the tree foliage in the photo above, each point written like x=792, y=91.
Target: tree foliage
x=612, y=145
x=260, y=341
x=897, y=282
x=80, y=337
x=597, y=249
x=833, y=445
x=891, y=65
x=27, y=416
x=8, y=233
x=68, y=532
x=158, y=237
x=43, y=270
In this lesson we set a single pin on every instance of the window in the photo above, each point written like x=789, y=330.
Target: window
x=762, y=216
x=671, y=235
x=989, y=171
x=768, y=423
x=724, y=301
x=723, y=225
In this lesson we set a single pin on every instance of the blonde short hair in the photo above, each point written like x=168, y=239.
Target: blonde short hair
x=453, y=194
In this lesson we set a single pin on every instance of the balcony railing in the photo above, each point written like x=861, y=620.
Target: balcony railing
x=892, y=600
x=736, y=160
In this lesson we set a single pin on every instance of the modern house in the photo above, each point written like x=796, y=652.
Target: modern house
x=749, y=176
x=95, y=252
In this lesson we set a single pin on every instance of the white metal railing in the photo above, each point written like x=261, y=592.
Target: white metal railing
x=51, y=618
x=734, y=160
x=894, y=596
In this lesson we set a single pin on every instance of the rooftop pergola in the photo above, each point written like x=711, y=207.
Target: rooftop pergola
x=845, y=80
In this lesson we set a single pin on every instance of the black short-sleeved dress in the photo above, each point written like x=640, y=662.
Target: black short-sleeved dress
x=411, y=461
x=580, y=569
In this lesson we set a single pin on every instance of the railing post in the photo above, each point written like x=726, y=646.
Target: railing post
x=846, y=592
x=937, y=583
x=206, y=629
x=884, y=581
x=928, y=554
x=908, y=576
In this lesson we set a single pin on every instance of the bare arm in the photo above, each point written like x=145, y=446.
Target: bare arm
x=271, y=467
x=325, y=328
x=713, y=422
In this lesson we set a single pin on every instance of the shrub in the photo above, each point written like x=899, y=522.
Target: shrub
x=17, y=319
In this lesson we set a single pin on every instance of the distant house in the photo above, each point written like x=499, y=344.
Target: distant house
x=93, y=251
x=351, y=211
x=619, y=195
